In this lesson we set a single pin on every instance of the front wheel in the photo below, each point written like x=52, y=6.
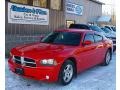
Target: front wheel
x=66, y=73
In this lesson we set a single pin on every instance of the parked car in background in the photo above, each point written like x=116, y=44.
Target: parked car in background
x=112, y=28
x=97, y=29
x=61, y=55
x=88, y=27
x=111, y=35
x=80, y=26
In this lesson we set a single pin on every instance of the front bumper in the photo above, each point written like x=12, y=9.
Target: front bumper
x=49, y=74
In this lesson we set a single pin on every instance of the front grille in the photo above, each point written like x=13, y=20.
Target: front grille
x=17, y=59
x=29, y=60
x=31, y=64
x=18, y=62
x=24, y=61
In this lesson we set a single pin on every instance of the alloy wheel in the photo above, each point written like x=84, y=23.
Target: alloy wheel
x=68, y=73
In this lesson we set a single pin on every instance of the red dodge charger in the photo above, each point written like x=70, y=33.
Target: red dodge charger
x=61, y=55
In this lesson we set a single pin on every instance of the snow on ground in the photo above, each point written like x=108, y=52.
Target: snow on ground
x=97, y=78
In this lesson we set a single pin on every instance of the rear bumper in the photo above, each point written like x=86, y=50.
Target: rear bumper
x=49, y=74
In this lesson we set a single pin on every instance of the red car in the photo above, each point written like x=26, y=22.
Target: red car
x=61, y=55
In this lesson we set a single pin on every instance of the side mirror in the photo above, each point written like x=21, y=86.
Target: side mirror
x=87, y=42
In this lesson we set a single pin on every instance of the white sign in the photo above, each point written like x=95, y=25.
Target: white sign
x=74, y=9
x=23, y=14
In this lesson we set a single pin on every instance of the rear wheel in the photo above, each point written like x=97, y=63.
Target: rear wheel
x=67, y=72
x=107, y=59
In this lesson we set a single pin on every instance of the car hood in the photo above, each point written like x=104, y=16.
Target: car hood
x=41, y=50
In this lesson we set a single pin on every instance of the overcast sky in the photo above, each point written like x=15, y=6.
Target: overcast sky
x=110, y=5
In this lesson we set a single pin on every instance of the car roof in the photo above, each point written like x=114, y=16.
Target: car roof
x=83, y=31
x=75, y=30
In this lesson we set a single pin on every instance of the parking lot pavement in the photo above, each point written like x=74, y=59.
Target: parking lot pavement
x=97, y=78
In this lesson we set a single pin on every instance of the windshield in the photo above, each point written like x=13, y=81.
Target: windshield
x=96, y=28
x=65, y=38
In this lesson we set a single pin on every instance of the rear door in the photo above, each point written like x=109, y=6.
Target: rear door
x=100, y=48
x=87, y=57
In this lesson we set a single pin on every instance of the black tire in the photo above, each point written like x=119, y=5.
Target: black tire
x=107, y=61
x=62, y=73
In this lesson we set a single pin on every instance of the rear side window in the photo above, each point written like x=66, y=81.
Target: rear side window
x=98, y=38
x=89, y=37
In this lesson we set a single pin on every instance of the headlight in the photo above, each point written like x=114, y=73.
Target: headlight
x=48, y=62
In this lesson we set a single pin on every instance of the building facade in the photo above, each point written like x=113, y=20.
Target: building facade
x=28, y=19
x=92, y=10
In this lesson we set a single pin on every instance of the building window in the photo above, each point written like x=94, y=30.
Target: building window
x=55, y=4
x=40, y=3
x=68, y=22
x=20, y=1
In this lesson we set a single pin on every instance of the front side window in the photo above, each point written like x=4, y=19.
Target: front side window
x=89, y=37
x=98, y=38
x=65, y=38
